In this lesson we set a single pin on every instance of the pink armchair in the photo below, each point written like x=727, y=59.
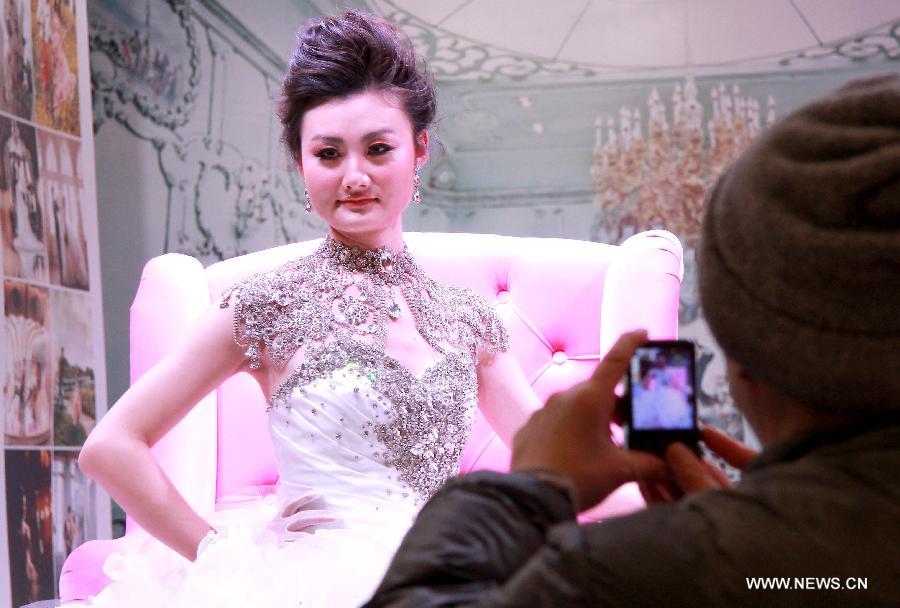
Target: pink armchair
x=564, y=303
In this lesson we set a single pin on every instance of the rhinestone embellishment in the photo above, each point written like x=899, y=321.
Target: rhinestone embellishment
x=336, y=303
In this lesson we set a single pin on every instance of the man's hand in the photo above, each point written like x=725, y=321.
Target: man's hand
x=691, y=474
x=571, y=434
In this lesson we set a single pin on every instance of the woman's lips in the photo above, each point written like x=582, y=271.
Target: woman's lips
x=357, y=202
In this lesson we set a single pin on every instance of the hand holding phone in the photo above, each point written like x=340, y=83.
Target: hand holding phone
x=661, y=397
x=563, y=436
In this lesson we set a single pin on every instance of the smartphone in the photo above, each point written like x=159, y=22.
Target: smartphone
x=661, y=397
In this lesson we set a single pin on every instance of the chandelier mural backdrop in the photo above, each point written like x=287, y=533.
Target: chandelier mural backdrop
x=658, y=176
x=532, y=143
x=183, y=107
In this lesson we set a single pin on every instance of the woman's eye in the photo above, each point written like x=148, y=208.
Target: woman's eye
x=379, y=148
x=328, y=154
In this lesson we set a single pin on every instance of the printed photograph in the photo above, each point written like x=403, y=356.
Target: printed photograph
x=55, y=64
x=28, y=375
x=22, y=214
x=74, y=402
x=16, y=75
x=61, y=188
x=74, y=506
x=29, y=525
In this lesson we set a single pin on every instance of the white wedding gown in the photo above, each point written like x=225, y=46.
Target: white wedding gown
x=356, y=437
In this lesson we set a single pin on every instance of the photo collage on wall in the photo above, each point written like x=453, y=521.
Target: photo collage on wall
x=48, y=383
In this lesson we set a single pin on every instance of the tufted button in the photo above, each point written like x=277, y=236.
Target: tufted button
x=559, y=357
x=503, y=297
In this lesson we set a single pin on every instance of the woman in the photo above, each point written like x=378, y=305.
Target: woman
x=372, y=367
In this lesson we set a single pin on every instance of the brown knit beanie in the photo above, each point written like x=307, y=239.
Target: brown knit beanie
x=799, y=263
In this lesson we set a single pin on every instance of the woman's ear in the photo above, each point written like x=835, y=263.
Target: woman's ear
x=421, y=148
x=300, y=166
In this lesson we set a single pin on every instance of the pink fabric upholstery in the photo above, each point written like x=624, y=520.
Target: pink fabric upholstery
x=564, y=302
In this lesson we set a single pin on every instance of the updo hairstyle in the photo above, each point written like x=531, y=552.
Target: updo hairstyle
x=337, y=57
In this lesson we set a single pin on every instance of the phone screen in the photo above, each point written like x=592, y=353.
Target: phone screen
x=663, y=397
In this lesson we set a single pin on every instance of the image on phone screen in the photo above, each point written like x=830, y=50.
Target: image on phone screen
x=662, y=391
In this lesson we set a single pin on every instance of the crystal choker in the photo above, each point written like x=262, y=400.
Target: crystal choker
x=380, y=262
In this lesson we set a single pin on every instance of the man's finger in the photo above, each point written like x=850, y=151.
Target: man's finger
x=689, y=471
x=647, y=467
x=718, y=473
x=615, y=363
x=620, y=413
x=657, y=492
x=733, y=452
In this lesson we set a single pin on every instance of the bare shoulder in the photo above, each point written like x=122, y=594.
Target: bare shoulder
x=214, y=333
x=207, y=353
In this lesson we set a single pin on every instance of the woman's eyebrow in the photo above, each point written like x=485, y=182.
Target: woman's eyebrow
x=331, y=139
x=327, y=139
x=377, y=133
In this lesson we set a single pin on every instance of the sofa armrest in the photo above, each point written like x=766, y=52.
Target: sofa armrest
x=82, y=573
x=641, y=291
x=642, y=288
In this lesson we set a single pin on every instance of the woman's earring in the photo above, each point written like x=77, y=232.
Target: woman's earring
x=308, y=205
x=417, y=196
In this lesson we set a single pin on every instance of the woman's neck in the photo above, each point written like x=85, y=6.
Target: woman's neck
x=392, y=240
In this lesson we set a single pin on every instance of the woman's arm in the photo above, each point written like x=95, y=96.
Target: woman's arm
x=506, y=397
x=117, y=452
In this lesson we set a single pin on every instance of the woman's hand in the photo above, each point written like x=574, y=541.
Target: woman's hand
x=571, y=434
x=299, y=516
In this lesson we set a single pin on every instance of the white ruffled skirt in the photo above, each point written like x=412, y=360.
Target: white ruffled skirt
x=250, y=565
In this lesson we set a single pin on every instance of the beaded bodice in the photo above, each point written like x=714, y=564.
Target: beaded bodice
x=336, y=305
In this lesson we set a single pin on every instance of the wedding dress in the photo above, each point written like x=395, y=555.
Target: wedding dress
x=360, y=442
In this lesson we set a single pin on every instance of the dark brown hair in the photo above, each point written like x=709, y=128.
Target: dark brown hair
x=337, y=57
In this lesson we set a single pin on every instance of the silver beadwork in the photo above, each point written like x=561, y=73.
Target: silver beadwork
x=339, y=301
x=308, y=205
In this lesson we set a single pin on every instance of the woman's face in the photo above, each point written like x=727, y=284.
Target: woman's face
x=358, y=158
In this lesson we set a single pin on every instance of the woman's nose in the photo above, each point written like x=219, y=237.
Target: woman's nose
x=356, y=179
